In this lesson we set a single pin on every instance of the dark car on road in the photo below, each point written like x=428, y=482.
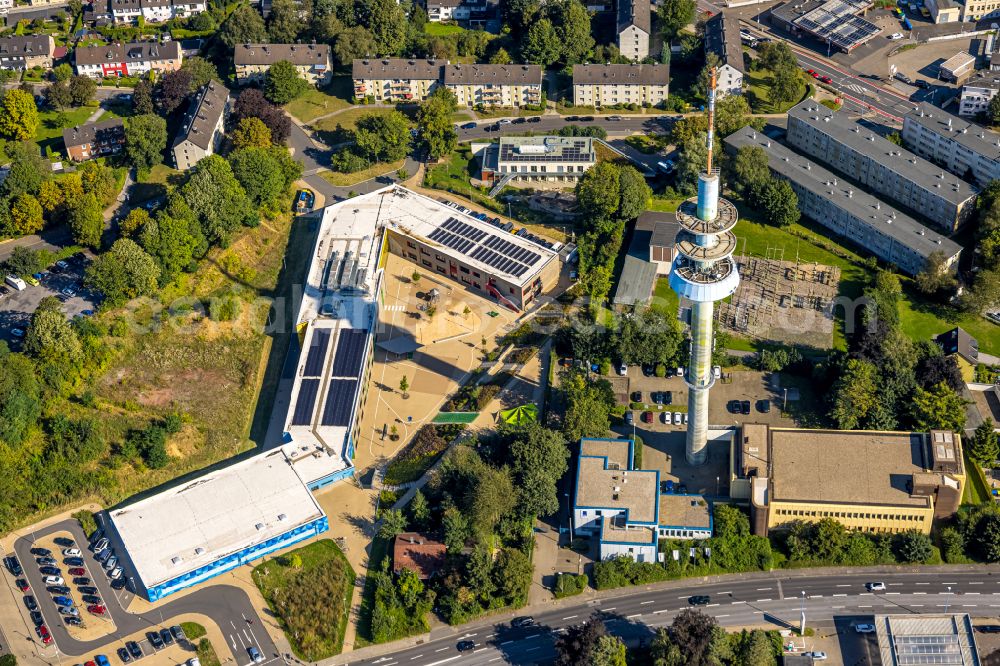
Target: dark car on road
x=534, y=119
x=524, y=621
x=469, y=126
x=922, y=84
x=699, y=600
x=465, y=646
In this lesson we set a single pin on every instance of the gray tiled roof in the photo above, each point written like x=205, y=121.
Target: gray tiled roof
x=131, y=52
x=498, y=74
x=83, y=135
x=268, y=54
x=646, y=75
x=722, y=38
x=634, y=12
x=25, y=46
x=398, y=68
x=856, y=137
x=809, y=175
x=204, y=115
x=974, y=137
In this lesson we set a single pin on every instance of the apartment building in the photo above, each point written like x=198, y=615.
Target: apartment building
x=625, y=508
x=967, y=150
x=20, y=52
x=203, y=126
x=495, y=85
x=633, y=30
x=396, y=79
x=311, y=60
x=532, y=159
x=133, y=59
x=975, y=97
x=85, y=142
x=904, y=480
x=455, y=10
x=944, y=11
x=722, y=38
x=977, y=10
x=848, y=211
x=880, y=165
x=154, y=11
x=608, y=85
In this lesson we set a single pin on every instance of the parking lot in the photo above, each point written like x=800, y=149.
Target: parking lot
x=66, y=284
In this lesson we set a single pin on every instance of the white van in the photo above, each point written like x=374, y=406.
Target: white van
x=16, y=282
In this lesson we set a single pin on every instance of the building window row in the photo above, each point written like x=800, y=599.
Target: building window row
x=848, y=515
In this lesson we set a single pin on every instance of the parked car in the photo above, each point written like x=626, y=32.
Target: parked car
x=825, y=79
x=124, y=656
x=43, y=633
x=622, y=369
x=118, y=583
x=168, y=638
x=22, y=585
x=50, y=571
x=154, y=639
x=13, y=565
x=36, y=618
x=88, y=590
x=116, y=572
x=30, y=603
x=177, y=632
x=677, y=418
x=57, y=589
x=896, y=35
x=72, y=552
x=647, y=417
x=666, y=417
x=815, y=655
x=100, y=545
x=745, y=406
x=92, y=599
x=102, y=660
x=134, y=649
x=99, y=609
x=78, y=571
x=53, y=580
x=629, y=420
x=44, y=561
x=535, y=119
x=764, y=406
x=62, y=600
x=864, y=628
x=68, y=610
x=920, y=83
x=74, y=561
x=73, y=620
x=469, y=126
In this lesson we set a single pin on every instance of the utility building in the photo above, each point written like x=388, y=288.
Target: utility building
x=879, y=164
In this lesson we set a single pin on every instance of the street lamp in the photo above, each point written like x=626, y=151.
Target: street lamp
x=947, y=601
x=802, y=619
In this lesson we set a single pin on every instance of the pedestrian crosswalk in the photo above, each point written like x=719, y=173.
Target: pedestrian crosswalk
x=395, y=308
x=859, y=89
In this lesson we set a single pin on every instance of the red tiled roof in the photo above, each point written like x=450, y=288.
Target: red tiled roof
x=417, y=553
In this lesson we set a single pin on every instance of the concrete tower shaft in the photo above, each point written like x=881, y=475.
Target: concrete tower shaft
x=704, y=272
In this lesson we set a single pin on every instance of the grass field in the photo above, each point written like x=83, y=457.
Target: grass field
x=309, y=590
x=442, y=29
x=378, y=552
x=206, y=653
x=665, y=299
x=977, y=490
x=347, y=179
x=452, y=175
x=758, y=84
x=348, y=119
x=160, y=182
x=193, y=630
x=50, y=129
x=314, y=103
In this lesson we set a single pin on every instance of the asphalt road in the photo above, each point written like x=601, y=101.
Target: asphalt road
x=228, y=606
x=638, y=612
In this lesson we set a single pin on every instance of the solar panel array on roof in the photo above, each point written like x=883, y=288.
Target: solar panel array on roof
x=837, y=22
x=928, y=650
x=339, y=400
x=492, y=250
x=577, y=152
x=302, y=415
x=317, y=352
x=349, y=356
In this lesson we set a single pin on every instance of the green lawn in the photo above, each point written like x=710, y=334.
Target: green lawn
x=378, y=552
x=461, y=116
x=314, y=103
x=161, y=180
x=452, y=175
x=193, y=630
x=442, y=29
x=348, y=119
x=311, y=600
x=921, y=320
x=758, y=84
x=977, y=490
x=663, y=205
x=50, y=129
x=665, y=299
x=347, y=179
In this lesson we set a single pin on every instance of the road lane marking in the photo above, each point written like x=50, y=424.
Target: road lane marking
x=442, y=649
x=629, y=617
x=760, y=600
x=665, y=610
x=416, y=657
x=643, y=603
x=979, y=582
x=864, y=606
x=723, y=615
x=493, y=659
x=737, y=602
x=836, y=607
x=917, y=593
x=763, y=589
x=815, y=596
x=507, y=642
x=710, y=605
x=845, y=586
x=889, y=594
x=570, y=617
x=609, y=609
x=684, y=597
x=443, y=661
x=916, y=605
x=840, y=595
x=921, y=583
x=726, y=592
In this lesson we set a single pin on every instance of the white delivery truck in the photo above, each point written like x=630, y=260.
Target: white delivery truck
x=16, y=282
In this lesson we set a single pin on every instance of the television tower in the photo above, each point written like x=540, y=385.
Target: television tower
x=704, y=272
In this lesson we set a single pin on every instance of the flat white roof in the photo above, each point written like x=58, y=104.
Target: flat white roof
x=215, y=515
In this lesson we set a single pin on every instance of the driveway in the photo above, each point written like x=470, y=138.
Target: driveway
x=229, y=607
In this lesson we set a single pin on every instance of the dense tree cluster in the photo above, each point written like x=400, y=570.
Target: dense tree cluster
x=251, y=103
x=773, y=197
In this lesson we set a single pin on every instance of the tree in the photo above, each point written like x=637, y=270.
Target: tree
x=170, y=242
x=145, y=141
x=984, y=539
x=50, y=337
x=693, y=632
x=142, y=98
x=577, y=645
x=993, y=112
x=598, y=193
x=757, y=650
x=854, y=394
x=173, y=90
x=609, y=651
x=25, y=215
x=86, y=220
x=778, y=201
x=775, y=55
x=572, y=28
x=122, y=273
x=18, y=115
x=404, y=386
x=437, y=132
x=935, y=277
x=748, y=169
x=62, y=72
x=674, y=15
x=895, y=137
x=282, y=83
x=136, y=219
x=58, y=95
x=541, y=44
x=393, y=522
x=663, y=651
x=244, y=26
x=732, y=113
x=252, y=104
x=383, y=137
x=260, y=175
x=636, y=195
x=786, y=85
x=501, y=57
x=913, y=547
x=352, y=43
x=82, y=89
x=251, y=133
x=940, y=408
x=538, y=460
x=200, y=70
x=420, y=510
x=588, y=408
x=984, y=448
x=387, y=22
x=283, y=24
x=693, y=157
x=23, y=261
x=217, y=198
